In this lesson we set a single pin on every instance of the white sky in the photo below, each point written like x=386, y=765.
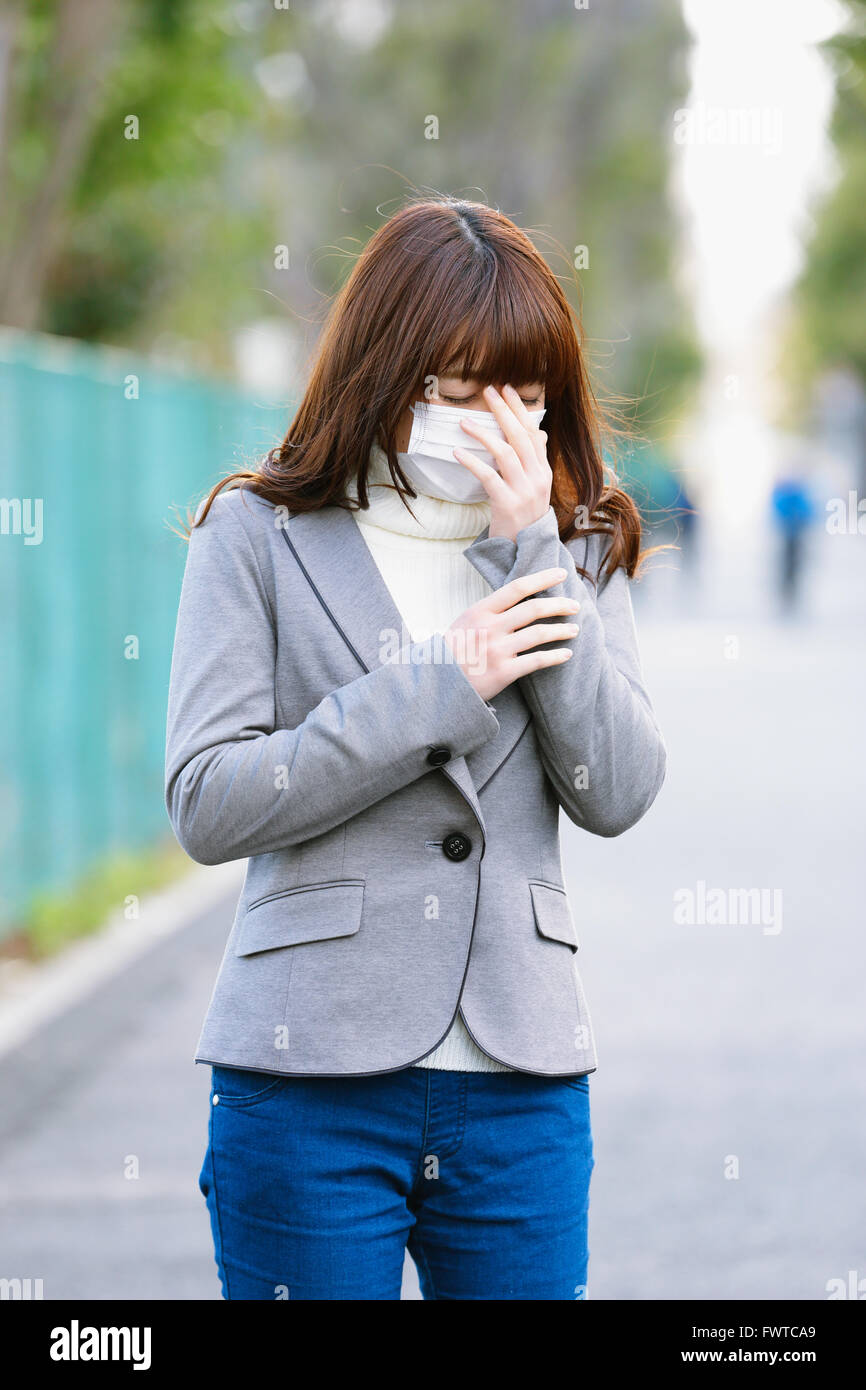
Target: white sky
x=745, y=200
x=744, y=188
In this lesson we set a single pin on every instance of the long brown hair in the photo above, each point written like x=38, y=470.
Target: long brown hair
x=445, y=283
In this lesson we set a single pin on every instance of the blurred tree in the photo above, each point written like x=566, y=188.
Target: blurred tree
x=830, y=299
x=561, y=117
x=114, y=121
x=53, y=60
x=264, y=127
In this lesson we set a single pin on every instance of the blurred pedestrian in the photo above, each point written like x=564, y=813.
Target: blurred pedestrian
x=686, y=516
x=793, y=513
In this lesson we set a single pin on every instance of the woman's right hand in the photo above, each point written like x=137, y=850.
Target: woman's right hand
x=493, y=640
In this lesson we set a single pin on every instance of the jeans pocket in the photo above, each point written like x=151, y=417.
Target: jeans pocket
x=205, y=1176
x=235, y=1086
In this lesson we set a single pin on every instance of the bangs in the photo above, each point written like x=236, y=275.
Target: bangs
x=520, y=332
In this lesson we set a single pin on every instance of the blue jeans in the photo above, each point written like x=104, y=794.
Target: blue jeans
x=317, y=1185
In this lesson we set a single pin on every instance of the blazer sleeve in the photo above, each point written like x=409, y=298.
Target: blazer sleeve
x=598, y=737
x=235, y=783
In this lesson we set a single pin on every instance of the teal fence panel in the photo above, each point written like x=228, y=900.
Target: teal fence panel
x=98, y=448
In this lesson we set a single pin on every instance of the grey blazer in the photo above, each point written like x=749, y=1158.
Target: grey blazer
x=401, y=832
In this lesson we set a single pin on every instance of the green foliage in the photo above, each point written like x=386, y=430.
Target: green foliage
x=152, y=218
x=260, y=127
x=830, y=300
x=55, y=919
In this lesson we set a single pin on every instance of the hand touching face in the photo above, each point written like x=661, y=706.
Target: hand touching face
x=519, y=487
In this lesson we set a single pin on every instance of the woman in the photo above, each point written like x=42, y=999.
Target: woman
x=402, y=646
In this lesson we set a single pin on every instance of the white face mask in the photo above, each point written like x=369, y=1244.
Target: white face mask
x=429, y=462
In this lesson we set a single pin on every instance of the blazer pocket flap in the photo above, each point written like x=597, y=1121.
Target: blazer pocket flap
x=316, y=912
x=553, y=914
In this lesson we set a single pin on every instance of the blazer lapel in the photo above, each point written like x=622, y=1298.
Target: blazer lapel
x=334, y=556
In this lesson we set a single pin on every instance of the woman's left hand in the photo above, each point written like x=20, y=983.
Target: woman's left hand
x=520, y=491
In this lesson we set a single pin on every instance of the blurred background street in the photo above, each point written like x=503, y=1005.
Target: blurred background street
x=185, y=186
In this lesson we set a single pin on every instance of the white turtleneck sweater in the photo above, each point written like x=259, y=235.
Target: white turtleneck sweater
x=431, y=583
